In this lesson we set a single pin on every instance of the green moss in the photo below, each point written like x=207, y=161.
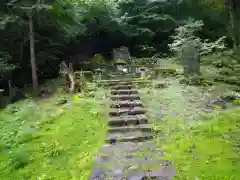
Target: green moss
x=195, y=80
x=165, y=70
x=64, y=149
x=207, y=149
x=200, y=148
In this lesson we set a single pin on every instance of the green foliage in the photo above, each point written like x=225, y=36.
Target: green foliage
x=25, y=136
x=142, y=83
x=209, y=47
x=81, y=81
x=62, y=100
x=2, y=146
x=187, y=33
x=228, y=69
x=164, y=71
x=184, y=132
x=18, y=158
x=195, y=80
x=12, y=108
x=160, y=85
x=145, y=62
x=88, y=75
x=63, y=27
x=98, y=60
x=190, y=150
x=5, y=67
x=54, y=152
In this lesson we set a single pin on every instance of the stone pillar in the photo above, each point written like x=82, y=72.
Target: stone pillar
x=191, y=58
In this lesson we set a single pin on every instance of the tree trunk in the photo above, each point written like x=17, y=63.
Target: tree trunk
x=232, y=20
x=232, y=23
x=32, y=54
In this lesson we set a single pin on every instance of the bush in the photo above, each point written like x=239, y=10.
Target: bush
x=80, y=81
x=88, y=75
x=195, y=80
x=61, y=101
x=52, y=150
x=145, y=61
x=228, y=67
x=19, y=158
x=143, y=83
x=2, y=145
x=98, y=60
x=187, y=33
x=160, y=85
x=165, y=71
x=12, y=108
x=229, y=77
x=24, y=137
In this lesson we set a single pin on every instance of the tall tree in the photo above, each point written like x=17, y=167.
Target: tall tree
x=27, y=9
x=32, y=53
x=232, y=7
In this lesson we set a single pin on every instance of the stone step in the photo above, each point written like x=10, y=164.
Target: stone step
x=128, y=147
x=124, y=91
x=132, y=128
x=128, y=120
x=128, y=77
x=126, y=111
x=132, y=161
x=121, y=173
x=119, y=104
x=125, y=97
x=113, y=82
x=109, y=81
x=123, y=82
x=129, y=86
x=136, y=136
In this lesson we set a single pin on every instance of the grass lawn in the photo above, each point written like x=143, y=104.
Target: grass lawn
x=45, y=141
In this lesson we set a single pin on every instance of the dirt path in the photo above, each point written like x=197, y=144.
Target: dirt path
x=130, y=153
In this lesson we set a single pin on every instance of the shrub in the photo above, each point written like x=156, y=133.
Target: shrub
x=61, y=101
x=195, y=80
x=88, y=75
x=98, y=60
x=19, y=158
x=142, y=83
x=2, y=145
x=12, y=108
x=53, y=149
x=160, y=85
x=25, y=136
x=80, y=81
x=164, y=71
x=187, y=33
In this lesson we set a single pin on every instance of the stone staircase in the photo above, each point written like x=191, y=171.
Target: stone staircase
x=129, y=153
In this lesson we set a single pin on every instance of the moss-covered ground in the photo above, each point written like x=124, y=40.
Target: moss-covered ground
x=55, y=138
x=201, y=143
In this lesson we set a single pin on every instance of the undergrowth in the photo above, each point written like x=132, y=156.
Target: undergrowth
x=208, y=149
x=50, y=139
x=202, y=144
